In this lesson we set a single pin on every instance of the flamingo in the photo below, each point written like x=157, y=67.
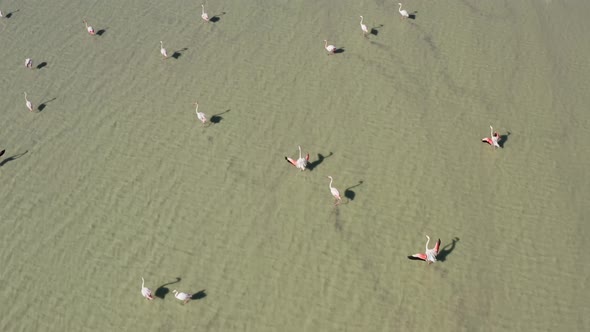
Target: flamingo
x=204, y=15
x=89, y=28
x=200, y=115
x=1, y=15
x=335, y=192
x=146, y=292
x=301, y=163
x=403, y=13
x=430, y=254
x=330, y=48
x=493, y=140
x=182, y=296
x=163, y=50
x=28, y=103
x=28, y=63
x=364, y=28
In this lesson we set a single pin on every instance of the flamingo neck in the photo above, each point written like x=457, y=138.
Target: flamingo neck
x=331, y=182
x=427, y=241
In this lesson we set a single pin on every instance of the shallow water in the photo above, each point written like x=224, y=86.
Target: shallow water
x=114, y=179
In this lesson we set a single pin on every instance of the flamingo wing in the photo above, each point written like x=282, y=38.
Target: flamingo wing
x=307, y=157
x=437, y=247
x=487, y=140
x=420, y=256
x=292, y=161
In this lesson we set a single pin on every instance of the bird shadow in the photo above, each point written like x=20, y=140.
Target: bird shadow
x=42, y=65
x=316, y=163
x=162, y=291
x=349, y=193
x=503, y=139
x=101, y=32
x=178, y=54
x=42, y=106
x=11, y=158
x=9, y=15
x=216, y=118
x=216, y=18
x=413, y=15
x=375, y=30
x=339, y=50
x=199, y=295
x=446, y=250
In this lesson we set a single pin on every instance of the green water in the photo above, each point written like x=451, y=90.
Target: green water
x=115, y=179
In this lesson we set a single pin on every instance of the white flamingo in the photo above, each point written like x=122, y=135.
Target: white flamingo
x=493, y=140
x=28, y=63
x=182, y=296
x=1, y=15
x=330, y=48
x=335, y=192
x=146, y=292
x=430, y=254
x=300, y=163
x=163, y=50
x=364, y=27
x=203, y=14
x=28, y=103
x=200, y=115
x=403, y=12
x=89, y=28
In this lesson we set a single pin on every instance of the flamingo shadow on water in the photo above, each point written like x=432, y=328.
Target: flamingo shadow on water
x=349, y=194
x=413, y=15
x=216, y=118
x=339, y=50
x=162, y=291
x=42, y=65
x=446, y=250
x=199, y=295
x=101, y=32
x=316, y=163
x=375, y=30
x=216, y=18
x=178, y=54
x=9, y=15
x=503, y=139
x=11, y=158
x=42, y=106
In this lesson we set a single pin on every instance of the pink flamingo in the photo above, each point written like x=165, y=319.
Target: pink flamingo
x=28, y=63
x=335, y=192
x=300, y=163
x=403, y=12
x=89, y=28
x=364, y=28
x=200, y=115
x=494, y=140
x=204, y=15
x=185, y=297
x=146, y=292
x=28, y=103
x=330, y=48
x=430, y=254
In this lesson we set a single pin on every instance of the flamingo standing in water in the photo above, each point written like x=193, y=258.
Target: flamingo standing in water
x=182, y=296
x=493, y=140
x=300, y=163
x=28, y=63
x=89, y=28
x=330, y=48
x=146, y=292
x=364, y=28
x=200, y=115
x=163, y=50
x=335, y=192
x=203, y=14
x=403, y=12
x=430, y=254
x=28, y=103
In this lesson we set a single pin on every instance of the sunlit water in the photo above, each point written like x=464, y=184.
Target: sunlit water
x=115, y=179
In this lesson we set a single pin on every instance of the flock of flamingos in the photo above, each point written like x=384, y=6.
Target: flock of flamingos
x=300, y=163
